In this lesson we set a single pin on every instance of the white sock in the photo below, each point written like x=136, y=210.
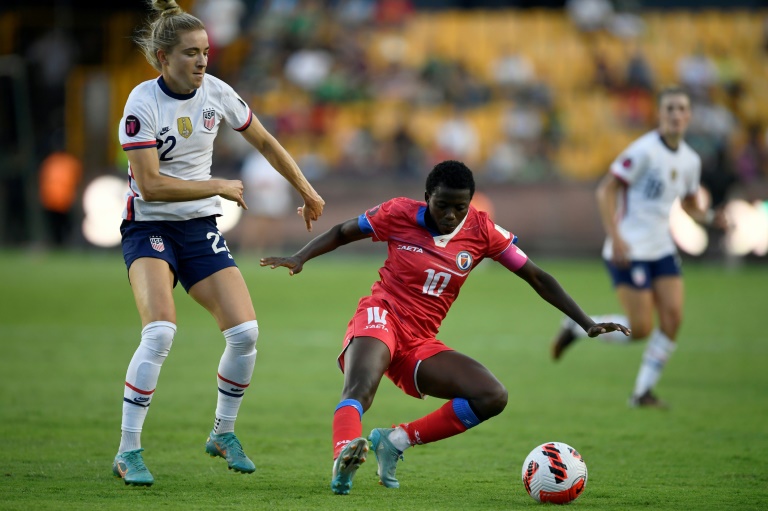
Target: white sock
x=615, y=337
x=399, y=438
x=141, y=380
x=235, y=371
x=655, y=357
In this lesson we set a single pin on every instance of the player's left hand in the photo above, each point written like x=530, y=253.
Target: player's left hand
x=293, y=264
x=604, y=328
x=311, y=210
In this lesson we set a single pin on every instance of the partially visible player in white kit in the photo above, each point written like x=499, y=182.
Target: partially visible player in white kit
x=169, y=226
x=635, y=200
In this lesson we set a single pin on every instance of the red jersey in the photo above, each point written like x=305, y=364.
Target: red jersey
x=425, y=270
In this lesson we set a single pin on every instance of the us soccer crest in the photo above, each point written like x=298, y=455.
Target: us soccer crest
x=464, y=260
x=157, y=243
x=209, y=118
x=184, y=125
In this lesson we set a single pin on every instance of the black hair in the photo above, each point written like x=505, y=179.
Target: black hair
x=451, y=174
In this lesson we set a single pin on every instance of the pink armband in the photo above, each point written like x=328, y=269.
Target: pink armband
x=513, y=258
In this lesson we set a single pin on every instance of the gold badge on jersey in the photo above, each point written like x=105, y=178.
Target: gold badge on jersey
x=673, y=175
x=184, y=125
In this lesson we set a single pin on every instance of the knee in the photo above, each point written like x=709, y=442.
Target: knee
x=492, y=402
x=641, y=330
x=158, y=336
x=670, y=321
x=242, y=337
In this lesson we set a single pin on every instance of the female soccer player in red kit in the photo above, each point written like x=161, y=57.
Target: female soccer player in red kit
x=432, y=247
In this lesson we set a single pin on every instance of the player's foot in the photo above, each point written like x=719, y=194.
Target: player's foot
x=130, y=466
x=564, y=338
x=387, y=456
x=344, y=467
x=647, y=400
x=227, y=446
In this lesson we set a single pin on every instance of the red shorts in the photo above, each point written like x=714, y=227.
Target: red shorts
x=373, y=319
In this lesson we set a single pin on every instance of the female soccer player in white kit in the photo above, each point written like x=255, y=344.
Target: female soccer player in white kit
x=635, y=200
x=169, y=226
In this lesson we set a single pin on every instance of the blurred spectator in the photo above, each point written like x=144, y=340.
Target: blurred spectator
x=506, y=161
x=51, y=59
x=604, y=75
x=639, y=74
x=393, y=13
x=463, y=89
x=751, y=162
x=221, y=19
x=523, y=123
x=357, y=148
x=589, y=15
x=60, y=175
x=513, y=73
x=730, y=76
x=355, y=12
x=408, y=158
x=626, y=25
x=457, y=139
x=698, y=73
x=396, y=82
x=308, y=67
x=268, y=196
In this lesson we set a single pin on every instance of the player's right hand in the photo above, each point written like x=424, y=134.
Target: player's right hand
x=293, y=263
x=620, y=253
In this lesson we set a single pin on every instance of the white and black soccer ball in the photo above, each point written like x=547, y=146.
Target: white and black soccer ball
x=554, y=472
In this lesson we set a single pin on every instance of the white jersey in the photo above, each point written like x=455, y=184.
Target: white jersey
x=182, y=127
x=655, y=176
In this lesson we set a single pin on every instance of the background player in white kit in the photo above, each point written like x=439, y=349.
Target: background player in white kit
x=635, y=200
x=169, y=227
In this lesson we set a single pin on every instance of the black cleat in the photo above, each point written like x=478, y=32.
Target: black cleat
x=563, y=339
x=647, y=400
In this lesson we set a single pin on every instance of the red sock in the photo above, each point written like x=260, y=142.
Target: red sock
x=442, y=423
x=347, y=425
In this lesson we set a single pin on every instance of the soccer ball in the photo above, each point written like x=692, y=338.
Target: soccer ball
x=554, y=472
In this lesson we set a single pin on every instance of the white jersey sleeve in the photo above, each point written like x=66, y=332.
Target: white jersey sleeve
x=235, y=111
x=632, y=163
x=139, y=123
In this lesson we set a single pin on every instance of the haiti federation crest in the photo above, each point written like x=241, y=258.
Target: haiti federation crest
x=464, y=260
x=209, y=118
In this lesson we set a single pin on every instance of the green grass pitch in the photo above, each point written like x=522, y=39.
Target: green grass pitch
x=68, y=327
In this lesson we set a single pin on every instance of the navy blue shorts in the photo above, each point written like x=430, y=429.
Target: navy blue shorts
x=194, y=249
x=641, y=274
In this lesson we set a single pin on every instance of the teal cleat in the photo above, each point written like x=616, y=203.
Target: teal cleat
x=387, y=456
x=344, y=467
x=227, y=446
x=129, y=465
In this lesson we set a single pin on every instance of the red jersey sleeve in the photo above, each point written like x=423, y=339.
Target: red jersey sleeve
x=378, y=220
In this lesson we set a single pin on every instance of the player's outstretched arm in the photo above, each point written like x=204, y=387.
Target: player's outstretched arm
x=550, y=290
x=333, y=238
x=279, y=158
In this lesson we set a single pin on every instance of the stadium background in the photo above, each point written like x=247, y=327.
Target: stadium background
x=68, y=324
x=538, y=98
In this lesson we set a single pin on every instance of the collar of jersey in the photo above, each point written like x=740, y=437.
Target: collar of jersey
x=168, y=92
x=441, y=240
x=664, y=143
